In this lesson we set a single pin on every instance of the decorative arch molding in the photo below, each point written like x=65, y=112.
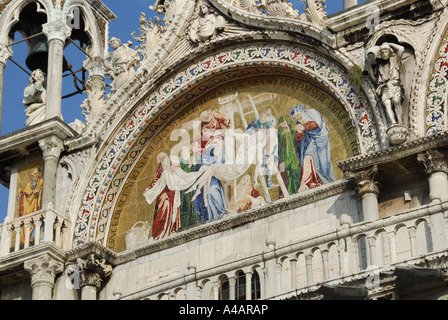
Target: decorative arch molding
x=99, y=193
x=9, y=15
x=92, y=28
x=434, y=117
x=275, y=23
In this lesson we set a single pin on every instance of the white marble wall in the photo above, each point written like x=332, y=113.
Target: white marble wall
x=245, y=241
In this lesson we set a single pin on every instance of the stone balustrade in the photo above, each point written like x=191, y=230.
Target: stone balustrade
x=350, y=252
x=30, y=230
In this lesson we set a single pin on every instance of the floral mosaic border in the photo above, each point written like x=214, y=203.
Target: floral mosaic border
x=437, y=100
x=110, y=174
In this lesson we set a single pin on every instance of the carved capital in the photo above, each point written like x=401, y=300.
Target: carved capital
x=364, y=180
x=43, y=270
x=91, y=271
x=433, y=161
x=51, y=146
x=5, y=53
x=95, y=66
x=56, y=30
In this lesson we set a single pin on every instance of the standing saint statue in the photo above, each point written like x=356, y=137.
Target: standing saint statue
x=384, y=66
x=121, y=63
x=34, y=98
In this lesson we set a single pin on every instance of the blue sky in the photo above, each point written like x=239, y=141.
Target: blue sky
x=128, y=13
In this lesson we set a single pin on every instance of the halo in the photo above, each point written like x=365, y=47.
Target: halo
x=39, y=168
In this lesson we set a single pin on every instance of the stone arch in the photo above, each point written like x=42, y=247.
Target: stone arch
x=318, y=266
x=403, y=243
x=98, y=44
x=285, y=274
x=423, y=237
x=334, y=265
x=301, y=272
x=127, y=141
x=207, y=289
x=382, y=247
x=9, y=17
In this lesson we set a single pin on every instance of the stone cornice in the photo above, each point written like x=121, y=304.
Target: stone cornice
x=22, y=138
x=390, y=154
x=273, y=23
x=18, y=258
x=90, y=248
x=358, y=15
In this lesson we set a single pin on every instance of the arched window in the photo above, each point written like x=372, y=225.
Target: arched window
x=240, y=287
x=255, y=286
x=224, y=290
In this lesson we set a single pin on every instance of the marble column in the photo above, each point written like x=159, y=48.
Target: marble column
x=5, y=54
x=43, y=271
x=367, y=189
x=51, y=147
x=89, y=275
x=436, y=168
x=57, y=33
x=293, y=263
x=271, y=272
x=309, y=269
x=232, y=283
x=248, y=285
x=95, y=87
x=191, y=289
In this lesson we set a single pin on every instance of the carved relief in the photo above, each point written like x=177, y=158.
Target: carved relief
x=94, y=102
x=433, y=161
x=279, y=8
x=364, y=180
x=150, y=34
x=206, y=24
x=315, y=12
x=91, y=271
x=121, y=63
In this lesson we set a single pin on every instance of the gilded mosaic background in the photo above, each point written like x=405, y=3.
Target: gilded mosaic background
x=240, y=147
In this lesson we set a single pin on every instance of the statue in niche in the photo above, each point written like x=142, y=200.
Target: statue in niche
x=121, y=63
x=384, y=66
x=34, y=98
x=206, y=25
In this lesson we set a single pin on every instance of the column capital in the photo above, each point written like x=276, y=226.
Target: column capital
x=433, y=160
x=95, y=66
x=364, y=180
x=56, y=29
x=43, y=270
x=5, y=53
x=51, y=146
x=91, y=271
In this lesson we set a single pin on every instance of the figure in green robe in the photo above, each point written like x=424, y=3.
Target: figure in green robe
x=189, y=218
x=289, y=163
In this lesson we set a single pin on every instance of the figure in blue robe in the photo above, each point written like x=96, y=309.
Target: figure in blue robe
x=211, y=203
x=312, y=145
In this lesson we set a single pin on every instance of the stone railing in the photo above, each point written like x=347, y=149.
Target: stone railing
x=337, y=257
x=30, y=230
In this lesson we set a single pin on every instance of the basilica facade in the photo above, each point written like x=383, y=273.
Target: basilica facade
x=238, y=150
